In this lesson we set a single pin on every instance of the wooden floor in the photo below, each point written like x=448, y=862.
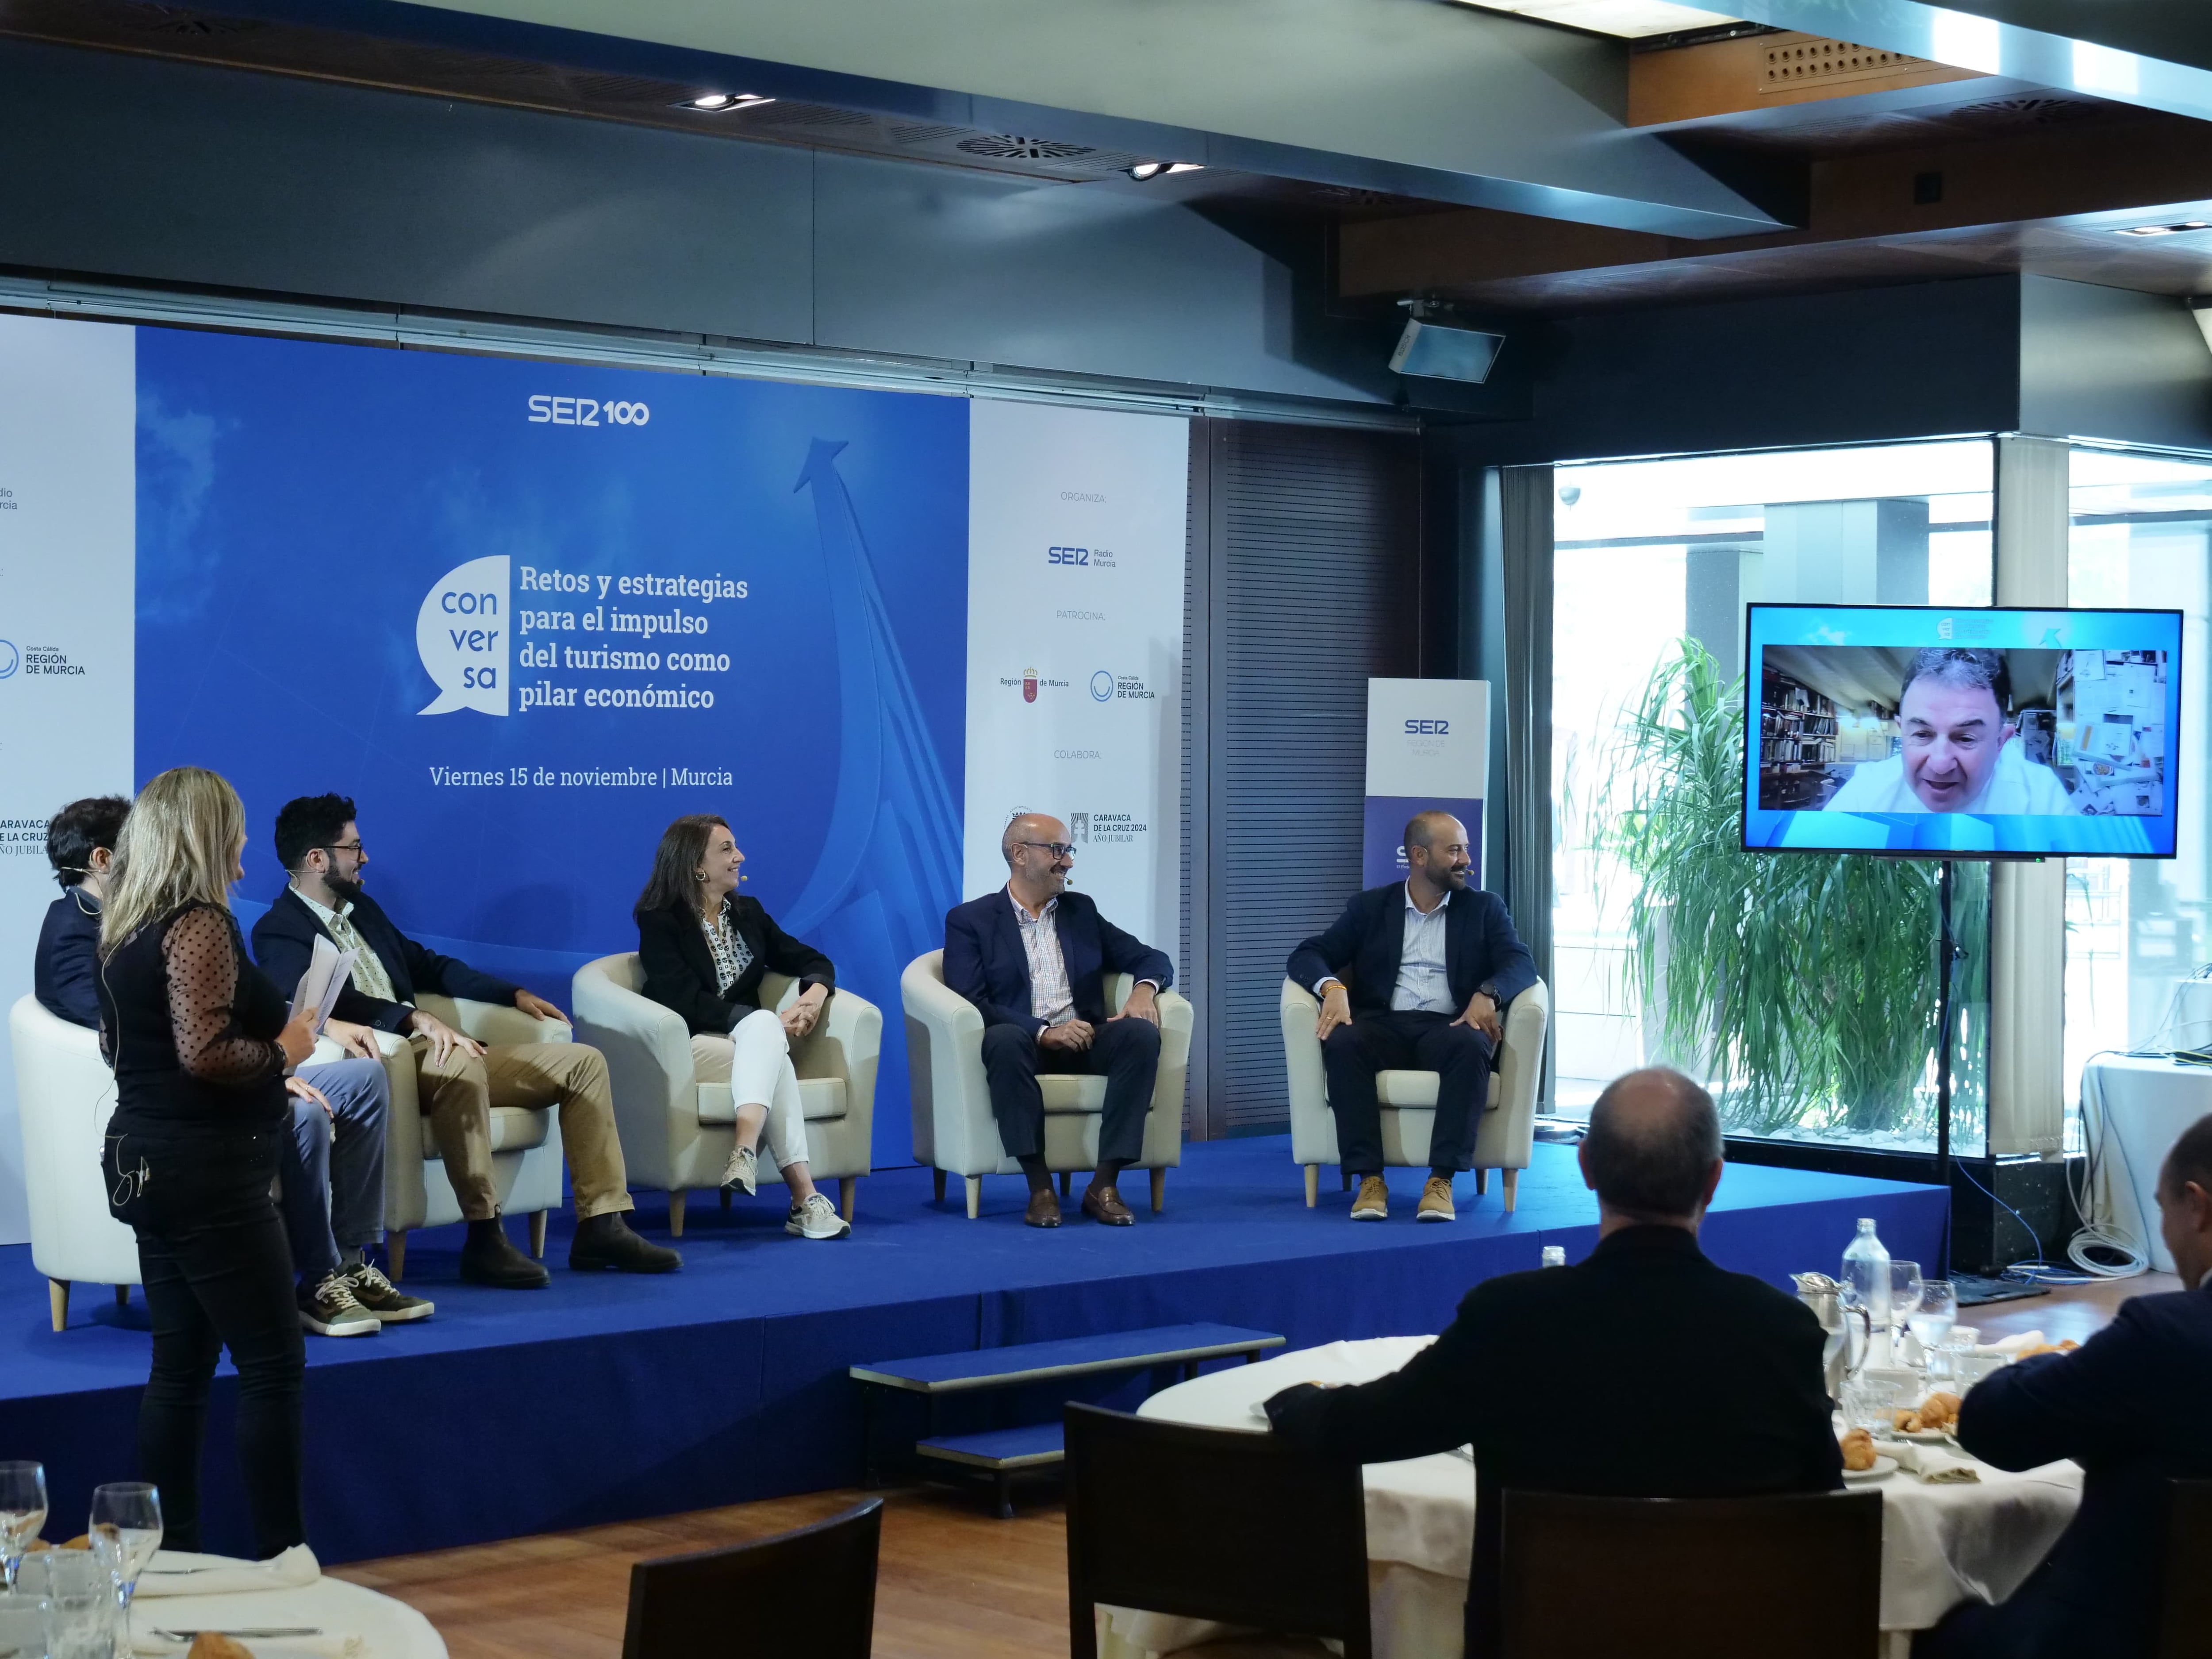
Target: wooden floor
x=952, y=1580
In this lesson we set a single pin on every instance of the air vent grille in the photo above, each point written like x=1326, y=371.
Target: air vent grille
x=1805, y=62
x=1006, y=147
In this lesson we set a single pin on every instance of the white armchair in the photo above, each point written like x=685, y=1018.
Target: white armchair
x=954, y=1132
x=677, y=1132
x=65, y=1095
x=1507, y=1126
x=526, y=1142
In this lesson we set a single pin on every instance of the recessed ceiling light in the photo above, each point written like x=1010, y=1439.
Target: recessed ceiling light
x=1631, y=20
x=1145, y=170
x=720, y=103
x=2163, y=229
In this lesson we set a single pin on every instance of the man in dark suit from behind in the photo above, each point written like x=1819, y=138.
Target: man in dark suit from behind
x=1604, y=1378
x=1415, y=974
x=2133, y=1406
x=1033, y=958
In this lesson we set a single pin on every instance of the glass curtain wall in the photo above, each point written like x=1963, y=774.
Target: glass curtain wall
x=1824, y=1028
x=2136, y=929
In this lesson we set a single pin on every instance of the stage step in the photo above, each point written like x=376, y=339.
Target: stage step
x=1001, y=1454
x=1071, y=1357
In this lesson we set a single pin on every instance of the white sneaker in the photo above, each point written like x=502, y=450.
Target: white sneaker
x=329, y=1309
x=742, y=1170
x=816, y=1218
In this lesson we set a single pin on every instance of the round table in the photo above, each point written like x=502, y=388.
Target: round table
x=1941, y=1545
x=355, y=1623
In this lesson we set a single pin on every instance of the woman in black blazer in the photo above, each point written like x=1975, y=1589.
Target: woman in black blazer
x=704, y=949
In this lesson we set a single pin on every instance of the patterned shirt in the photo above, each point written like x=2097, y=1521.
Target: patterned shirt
x=1051, y=998
x=732, y=955
x=367, y=973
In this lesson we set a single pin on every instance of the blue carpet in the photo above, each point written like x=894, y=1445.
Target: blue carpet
x=606, y=1398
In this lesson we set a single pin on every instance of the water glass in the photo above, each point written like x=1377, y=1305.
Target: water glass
x=22, y=1512
x=22, y=1626
x=1872, y=1399
x=1905, y=1290
x=1967, y=1369
x=80, y=1598
x=126, y=1530
x=1932, y=1317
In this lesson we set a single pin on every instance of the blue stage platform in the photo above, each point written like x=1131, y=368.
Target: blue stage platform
x=607, y=1397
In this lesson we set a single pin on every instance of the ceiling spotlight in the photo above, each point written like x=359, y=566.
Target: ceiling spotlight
x=2163, y=229
x=718, y=103
x=1145, y=170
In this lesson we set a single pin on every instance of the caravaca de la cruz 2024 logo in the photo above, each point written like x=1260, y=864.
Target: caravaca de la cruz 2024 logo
x=575, y=639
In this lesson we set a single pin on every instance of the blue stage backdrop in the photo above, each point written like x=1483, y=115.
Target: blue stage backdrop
x=526, y=613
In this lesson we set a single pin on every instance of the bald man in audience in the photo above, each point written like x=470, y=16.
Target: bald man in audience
x=1033, y=957
x=2133, y=1406
x=1602, y=1378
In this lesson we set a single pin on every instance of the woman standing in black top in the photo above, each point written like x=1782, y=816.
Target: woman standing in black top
x=200, y=1043
x=704, y=951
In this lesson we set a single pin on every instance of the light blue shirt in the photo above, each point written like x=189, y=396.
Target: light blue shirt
x=1422, y=983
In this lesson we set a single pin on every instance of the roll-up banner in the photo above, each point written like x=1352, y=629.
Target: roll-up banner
x=525, y=613
x=1428, y=750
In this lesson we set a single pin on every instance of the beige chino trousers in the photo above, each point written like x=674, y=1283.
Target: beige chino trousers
x=461, y=1091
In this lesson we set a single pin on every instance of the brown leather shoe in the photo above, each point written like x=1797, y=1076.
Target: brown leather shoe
x=1043, y=1210
x=1372, y=1201
x=1103, y=1204
x=1437, y=1201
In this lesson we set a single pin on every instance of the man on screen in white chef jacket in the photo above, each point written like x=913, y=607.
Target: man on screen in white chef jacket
x=1960, y=752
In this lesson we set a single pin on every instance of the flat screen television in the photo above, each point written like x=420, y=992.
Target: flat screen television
x=1962, y=733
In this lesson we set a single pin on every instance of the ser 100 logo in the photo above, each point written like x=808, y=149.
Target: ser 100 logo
x=585, y=411
x=1428, y=728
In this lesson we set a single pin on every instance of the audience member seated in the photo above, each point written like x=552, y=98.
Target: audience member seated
x=1033, y=958
x=704, y=950
x=461, y=1080
x=199, y=1041
x=1415, y=975
x=1645, y=1371
x=330, y=1169
x=2133, y=1406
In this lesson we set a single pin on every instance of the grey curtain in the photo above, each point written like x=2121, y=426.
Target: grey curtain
x=1525, y=512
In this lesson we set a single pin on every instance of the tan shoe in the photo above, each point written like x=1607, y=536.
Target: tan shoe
x=1373, y=1201
x=1437, y=1201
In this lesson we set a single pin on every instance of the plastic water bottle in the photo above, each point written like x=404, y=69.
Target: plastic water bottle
x=1555, y=1255
x=1866, y=1273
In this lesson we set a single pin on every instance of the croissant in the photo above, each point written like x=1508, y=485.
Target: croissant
x=213, y=1644
x=1858, y=1450
x=1939, y=1410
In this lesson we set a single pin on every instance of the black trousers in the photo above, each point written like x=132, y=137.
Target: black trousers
x=218, y=1274
x=1126, y=1052
x=1406, y=1041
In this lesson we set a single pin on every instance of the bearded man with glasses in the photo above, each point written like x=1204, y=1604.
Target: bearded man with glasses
x=1033, y=957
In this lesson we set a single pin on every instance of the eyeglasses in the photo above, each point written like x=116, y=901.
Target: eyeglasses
x=353, y=847
x=1057, y=849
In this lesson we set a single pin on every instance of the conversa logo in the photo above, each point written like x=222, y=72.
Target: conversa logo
x=461, y=634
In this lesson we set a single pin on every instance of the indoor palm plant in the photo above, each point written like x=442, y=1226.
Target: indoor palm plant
x=1804, y=985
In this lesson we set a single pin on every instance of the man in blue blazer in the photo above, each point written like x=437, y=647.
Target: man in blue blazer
x=1416, y=976
x=2133, y=1406
x=1034, y=957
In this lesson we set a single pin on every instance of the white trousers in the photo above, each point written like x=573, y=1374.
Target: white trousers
x=755, y=1060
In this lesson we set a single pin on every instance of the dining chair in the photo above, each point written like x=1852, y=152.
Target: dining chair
x=812, y=1590
x=2185, y=1617
x=1691, y=1578
x=1222, y=1524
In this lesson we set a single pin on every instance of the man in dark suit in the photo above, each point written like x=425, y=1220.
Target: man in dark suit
x=1603, y=1378
x=81, y=846
x=1033, y=957
x=1415, y=975
x=461, y=1080
x=2133, y=1406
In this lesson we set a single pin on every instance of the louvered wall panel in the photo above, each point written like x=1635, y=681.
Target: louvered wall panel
x=1319, y=560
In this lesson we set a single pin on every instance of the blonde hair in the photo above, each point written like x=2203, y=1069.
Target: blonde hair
x=178, y=846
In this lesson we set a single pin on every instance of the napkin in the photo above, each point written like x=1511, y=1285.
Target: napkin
x=2012, y=1344
x=180, y=1572
x=1935, y=1467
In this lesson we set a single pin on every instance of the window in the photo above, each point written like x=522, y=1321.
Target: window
x=2136, y=928
x=1653, y=563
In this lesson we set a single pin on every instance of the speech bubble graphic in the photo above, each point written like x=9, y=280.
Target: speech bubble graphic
x=461, y=633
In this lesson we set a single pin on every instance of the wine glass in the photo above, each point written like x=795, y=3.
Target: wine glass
x=1933, y=1316
x=23, y=1513
x=126, y=1530
x=1905, y=1285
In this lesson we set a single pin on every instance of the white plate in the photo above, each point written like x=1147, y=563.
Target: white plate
x=1883, y=1468
x=1926, y=1437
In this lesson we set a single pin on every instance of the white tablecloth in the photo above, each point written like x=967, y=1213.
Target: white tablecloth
x=356, y=1623
x=2147, y=1105
x=1941, y=1545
